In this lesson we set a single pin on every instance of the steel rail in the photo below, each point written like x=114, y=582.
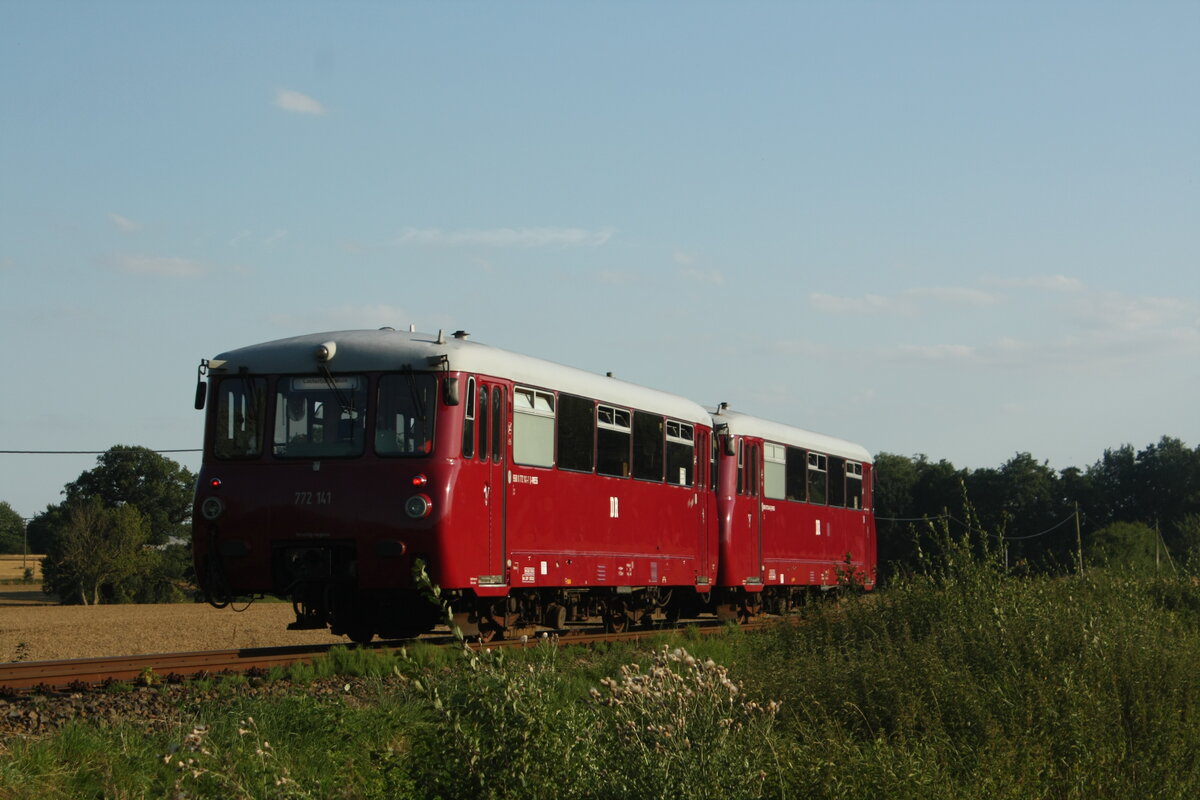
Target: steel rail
x=158, y=667
x=71, y=672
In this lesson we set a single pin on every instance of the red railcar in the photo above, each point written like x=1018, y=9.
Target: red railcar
x=537, y=494
x=795, y=512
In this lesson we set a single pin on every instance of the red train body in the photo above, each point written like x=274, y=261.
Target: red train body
x=536, y=494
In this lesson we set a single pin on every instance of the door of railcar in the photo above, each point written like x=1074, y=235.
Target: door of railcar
x=747, y=522
x=497, y=497
x=703, y=485
x=492, y=455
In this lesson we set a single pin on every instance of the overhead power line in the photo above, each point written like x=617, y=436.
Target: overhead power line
x=83, y=452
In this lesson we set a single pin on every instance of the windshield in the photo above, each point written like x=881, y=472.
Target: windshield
x=320, y=417
x=241, y=404
x=404, y=424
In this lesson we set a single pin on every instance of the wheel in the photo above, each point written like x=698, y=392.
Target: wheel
x=360, y=635
x=556, y=616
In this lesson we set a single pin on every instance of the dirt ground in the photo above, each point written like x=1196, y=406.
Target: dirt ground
x=33, y=630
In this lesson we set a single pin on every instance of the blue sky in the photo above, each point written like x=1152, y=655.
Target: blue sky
x=960, y=229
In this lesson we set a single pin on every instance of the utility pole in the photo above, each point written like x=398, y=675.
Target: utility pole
x=1078, y=539
x=1157, y=550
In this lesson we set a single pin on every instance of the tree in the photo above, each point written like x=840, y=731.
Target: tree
x=43, y=527
x=12, y=530
x=126, y=480
x=97, y=547
x=158, y=487
x=1115, y=488
x=1125, y=545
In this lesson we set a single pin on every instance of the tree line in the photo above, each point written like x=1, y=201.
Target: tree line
x=1133, y=508
x=121, y=532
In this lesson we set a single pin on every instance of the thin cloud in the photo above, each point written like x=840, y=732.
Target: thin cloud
x=348, y=317
x=617, y=277
x=1111, y=311
x=937, y=352
x=124, y=224
x=707, y=277
x=910, y=301
x=867, y=304
x=299, y=103
x=1053, y=283
x=162, y=266
x=505, y=237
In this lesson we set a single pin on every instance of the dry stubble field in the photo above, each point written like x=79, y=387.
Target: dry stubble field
x=34, y=628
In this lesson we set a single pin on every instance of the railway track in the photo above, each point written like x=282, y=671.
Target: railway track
x=85, y=673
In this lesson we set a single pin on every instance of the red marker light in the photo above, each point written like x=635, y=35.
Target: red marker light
x=215, y=483
x=419, y=480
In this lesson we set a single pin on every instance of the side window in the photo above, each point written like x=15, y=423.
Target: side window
x=533, y=427
x=854, y=485
x=741, y=457
x=837, y=481
x=797, y=486
x=774, y=471
x=469, y=421
x=714, y=452
x=681, y=455
x=497, y=424
x=613, y=432
x=576, y=433
x=817, y=478
x=752, y=489
x=482, y=412
x=647, y=446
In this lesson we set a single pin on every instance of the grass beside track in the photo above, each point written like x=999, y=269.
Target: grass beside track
x=962, y=683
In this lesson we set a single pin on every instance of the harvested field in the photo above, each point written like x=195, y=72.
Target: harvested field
x=12, y=567
x=30, y=632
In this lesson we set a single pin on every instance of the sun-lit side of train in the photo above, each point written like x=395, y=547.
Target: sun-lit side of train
x=536, y=494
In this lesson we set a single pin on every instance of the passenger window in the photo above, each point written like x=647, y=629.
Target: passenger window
x=854, y=485
x=681, y=456
x=817, y=478
x=576, y=433
x=774, y=471
x=613, y=432
x=533, y=427
x=837, y=482
x=797, y=487
x=647, y=446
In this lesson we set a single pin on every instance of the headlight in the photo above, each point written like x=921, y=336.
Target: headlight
x=418, y=506
x=211, y=508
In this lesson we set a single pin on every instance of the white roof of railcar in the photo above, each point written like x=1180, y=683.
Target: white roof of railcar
x=387, y=349
x=746, y=425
